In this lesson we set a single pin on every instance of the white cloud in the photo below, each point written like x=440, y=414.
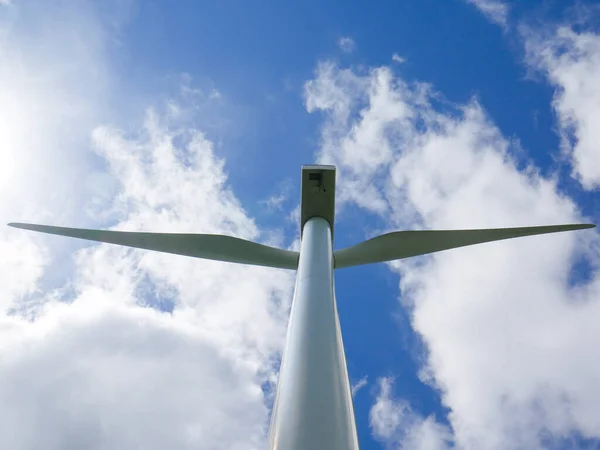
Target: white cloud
x=571, y=62
x=386, y=415
x=394, y=423
x=359, y=385
x=95, y=362
x=346, y=44
x=21, y=266
x=275, y=201
x=95, y=376
x=397, y=58
x=495, y=10
x=509, y=340
x=53, y=87
x=363, y=149
x=281, y=195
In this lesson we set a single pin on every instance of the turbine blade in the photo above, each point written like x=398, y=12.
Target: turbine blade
x=208, y=246
x=404, y=244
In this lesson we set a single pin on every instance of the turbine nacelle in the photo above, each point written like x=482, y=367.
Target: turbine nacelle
x=317, y=194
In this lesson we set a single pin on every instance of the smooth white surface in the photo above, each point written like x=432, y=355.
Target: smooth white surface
x=208, y=246
x=405, y=244
x=313, y=407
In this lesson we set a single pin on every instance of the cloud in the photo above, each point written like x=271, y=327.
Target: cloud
x=275, y=202
x=394, y=423
x=90, y=375
x=21, y=266
x=571, y=62
x=397, y=58
x=509, y=335
x=495, y=10
x=53, y=87
x=359, y=385
x=346, y=44
x=114, y=347
x=362, y=149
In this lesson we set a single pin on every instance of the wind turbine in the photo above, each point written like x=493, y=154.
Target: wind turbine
x=313, y=404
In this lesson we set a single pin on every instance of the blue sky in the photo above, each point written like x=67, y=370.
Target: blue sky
x=196, y=116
